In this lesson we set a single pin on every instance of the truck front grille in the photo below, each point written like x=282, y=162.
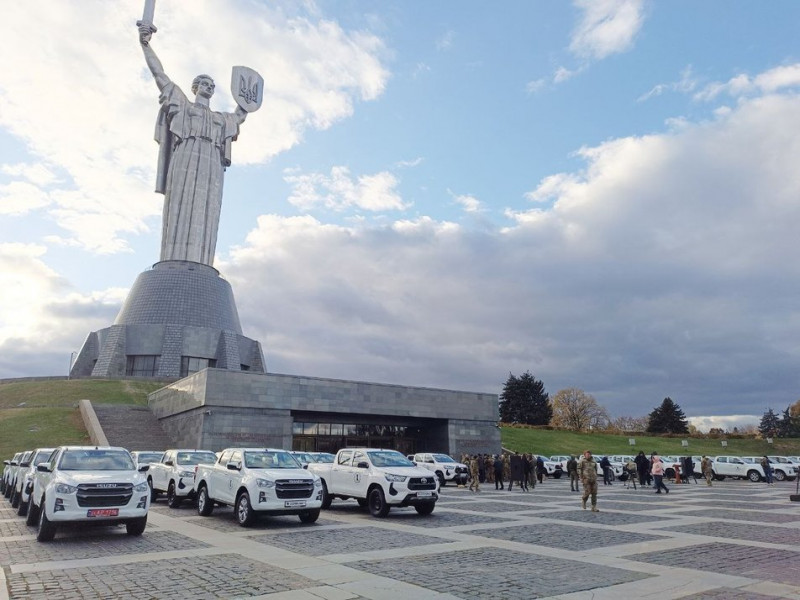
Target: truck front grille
x=289, y=488
x=110, y=494
x=422, y=483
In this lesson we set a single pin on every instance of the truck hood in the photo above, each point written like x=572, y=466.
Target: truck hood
x=78, y=477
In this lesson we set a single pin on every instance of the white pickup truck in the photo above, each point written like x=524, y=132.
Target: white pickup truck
x=90, y=484
x=379, y=479
x=258, y=481
x=736, y=466
x=174, y=474
x=443, y=466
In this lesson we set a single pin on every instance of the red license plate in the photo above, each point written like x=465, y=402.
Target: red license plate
x=102, y=512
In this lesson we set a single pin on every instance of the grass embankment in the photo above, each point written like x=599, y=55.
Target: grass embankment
x=549, y=443
x=45, y=413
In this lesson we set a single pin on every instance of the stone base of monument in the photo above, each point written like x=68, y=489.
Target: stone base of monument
x=178, y=318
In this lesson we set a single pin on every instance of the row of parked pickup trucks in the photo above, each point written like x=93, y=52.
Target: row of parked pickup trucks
x=52, y=486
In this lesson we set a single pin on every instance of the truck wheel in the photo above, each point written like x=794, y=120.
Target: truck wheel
x=779, y=475
x=204, y=504
x=172, y=500
x=309, y=516
x=47, y=530
x=136, y=526
x=717, y=477
x=153, y=492
x=754, y=476
x=14, y=498
x=33, y=513
x=557, y=475
x=244, y=511
x=22, y=510
x=441, y=479
x=326, y=497
x=425, y=509
x=377, y=503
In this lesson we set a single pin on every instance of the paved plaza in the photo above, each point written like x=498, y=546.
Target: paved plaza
x=736, y=540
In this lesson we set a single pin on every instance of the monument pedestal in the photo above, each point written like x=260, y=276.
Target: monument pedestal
x=178, y=318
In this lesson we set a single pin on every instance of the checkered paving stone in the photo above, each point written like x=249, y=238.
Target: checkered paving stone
x=182, y=512
x=342, y=541
x=767, y=564
x=226, y=521
x=492, y=507
x=6, y=512
x=742, y=515
x=442, y=518
x=728, y=594
x=498, y=574
x=92, y=542
x=747, y=505
x=567, y=537
x=16, y=527
x=743, y=531
x=603, y=517
x=633, y=505
x=219, y=576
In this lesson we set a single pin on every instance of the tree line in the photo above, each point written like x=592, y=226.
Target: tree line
x=524, y=400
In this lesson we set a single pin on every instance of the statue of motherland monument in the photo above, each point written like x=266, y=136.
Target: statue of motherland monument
x=194, y=150
x=180, y=316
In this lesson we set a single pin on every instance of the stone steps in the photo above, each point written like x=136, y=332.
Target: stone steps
x=132, y=427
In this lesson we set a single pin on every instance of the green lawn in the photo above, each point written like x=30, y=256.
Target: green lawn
x=67, y=392
x=549, y=443
x=28, y=428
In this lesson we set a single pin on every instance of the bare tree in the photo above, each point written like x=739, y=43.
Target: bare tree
x=626, y=423
x=575, y=409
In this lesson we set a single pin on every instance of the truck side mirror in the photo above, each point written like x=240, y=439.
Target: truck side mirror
x=169, y=463
x=43, y=467
x=143, y=468
x=363, y=465
x=234, y=466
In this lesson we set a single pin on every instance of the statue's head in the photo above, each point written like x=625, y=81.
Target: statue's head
x=203, y=85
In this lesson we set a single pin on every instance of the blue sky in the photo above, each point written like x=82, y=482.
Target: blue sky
x=601, y=192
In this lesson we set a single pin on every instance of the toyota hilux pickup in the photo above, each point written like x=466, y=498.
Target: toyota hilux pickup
x=258, y=481
x=736, y=466
x=97, y=484
x=174, y=474
x=443, y=466
x=379, y=479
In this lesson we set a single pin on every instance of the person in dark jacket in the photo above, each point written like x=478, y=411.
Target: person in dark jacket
x=541, y=471
x=517, y=472
x=572, y=472
x=498, y=473
x=605, y=464
x=642, y=468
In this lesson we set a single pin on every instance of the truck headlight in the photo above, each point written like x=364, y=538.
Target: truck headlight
x=264, y=483
x=141, y=487
x=63, y=488
x=395, y=478
x=186, y=474
x=317, y=482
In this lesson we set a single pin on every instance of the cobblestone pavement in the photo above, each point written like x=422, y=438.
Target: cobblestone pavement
x=732, y=541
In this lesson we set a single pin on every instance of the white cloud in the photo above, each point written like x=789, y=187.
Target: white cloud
x=340, y=190
x=773, y=80
x=468, y=202
x=86, y=105
x=726, y=423
x=606, y=27
x=686, y=84
x=445, y=41
x=20, y=197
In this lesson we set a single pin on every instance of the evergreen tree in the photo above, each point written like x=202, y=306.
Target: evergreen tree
x=788, y=425
x=667, y=418
x=524, y=401
x=770, y=424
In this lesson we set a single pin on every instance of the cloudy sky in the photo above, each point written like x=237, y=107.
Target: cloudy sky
x=603, y=192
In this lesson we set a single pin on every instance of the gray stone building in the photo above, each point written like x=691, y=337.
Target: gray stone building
x=215, y=409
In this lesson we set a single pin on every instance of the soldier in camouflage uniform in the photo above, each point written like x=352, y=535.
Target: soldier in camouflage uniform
x=488, y=466
x=506, y=467
x=587, y=470
x=474, y=473
x=705, y=467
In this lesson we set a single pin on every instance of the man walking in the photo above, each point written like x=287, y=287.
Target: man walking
x=498, y=473
x=587, y=470
x=474, y=472
x=572, y=472
x=705, y=467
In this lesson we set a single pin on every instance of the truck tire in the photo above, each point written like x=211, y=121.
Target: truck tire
x=33, y=513
x=204, y=504
x=14, y=498
x=377, y=503
x=440, y=477
x=425, y=509
x=136, y=526
x=309, y=516
x=173, y=501
x=326, y=497
x=779, y=475
x=153, y=492
x=717, y=477
x=22, y=509
x=47, y=530
x=754, y=476
x=245, y=515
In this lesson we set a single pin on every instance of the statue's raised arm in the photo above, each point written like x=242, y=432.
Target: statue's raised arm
x=153, y=63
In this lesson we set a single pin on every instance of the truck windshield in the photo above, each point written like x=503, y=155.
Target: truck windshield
x=96, y=460
x=144, y=458
x=270, y=460
x=443, y=458
x=389, y=459
x=196, y=458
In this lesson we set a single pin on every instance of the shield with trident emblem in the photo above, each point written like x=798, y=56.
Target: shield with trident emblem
x=247, y=88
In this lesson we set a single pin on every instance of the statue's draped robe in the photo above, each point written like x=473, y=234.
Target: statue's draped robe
x=195, y=143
